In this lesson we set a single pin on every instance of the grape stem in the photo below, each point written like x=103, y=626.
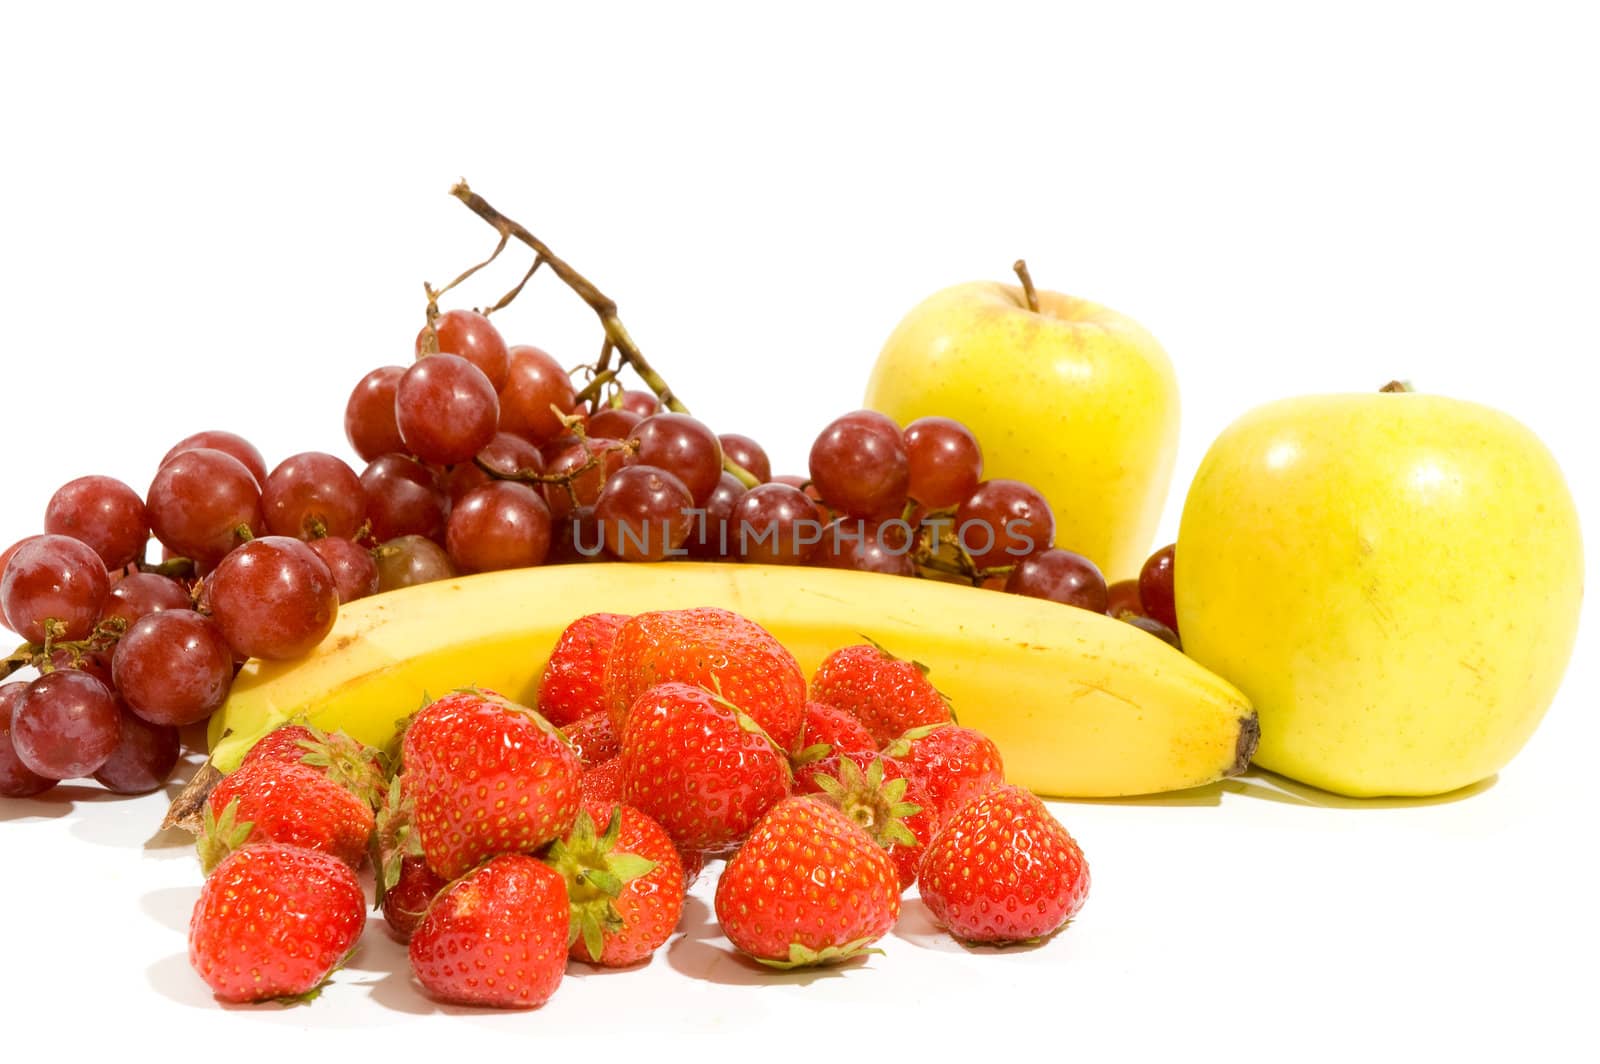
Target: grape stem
x=605, y=308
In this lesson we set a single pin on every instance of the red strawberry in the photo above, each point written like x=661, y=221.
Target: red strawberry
x=710, y=648
x=487, y=777
x=883, y=798
x=625, y=886
x=406, y=901
x=593, y=738
x=274, y=921
x=405, y=884
x=832, y=731
x=270, y=801
x=699, y=766
x=573, y=685
x=1004, y=870
x=888, y=696
x=807, y=887
x=955, y=764
x=497, y=937
x=344, y=760
x=602, y=788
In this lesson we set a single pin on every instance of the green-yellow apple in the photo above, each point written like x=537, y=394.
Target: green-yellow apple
x=1071, y=397
x=1393, y=579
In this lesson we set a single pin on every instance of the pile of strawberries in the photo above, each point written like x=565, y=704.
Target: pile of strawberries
x=506, y=841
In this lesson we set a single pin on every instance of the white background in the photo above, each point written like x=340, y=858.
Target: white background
x=217, y=219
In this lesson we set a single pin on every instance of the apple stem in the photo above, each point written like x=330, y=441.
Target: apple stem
x=1021, y=269
x=605, y=308
x=1396, y=387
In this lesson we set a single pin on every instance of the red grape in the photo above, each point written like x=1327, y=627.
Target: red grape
x=747, y=454
x=866, y=546
x=1060, y=576
x=644, y=514
x=173, y=667
x=102, y=512
x=775, y=524
x=500, y=525
x=859, y=465
x=313, y=494
x=1155, y=628
x=66, y=724
x=139, y=594
x=5, y=556
x=201, y=501
x=536, y=382
x=1003, y=522
x=607, y=457
x=576, y=538
x=273, y=598
x=613, y=423
x=403, y=498
x=712, y=533
x=446, y=409
x=355, y=574
x=945, y=461
x=506, y=454
x=369, y=422
x=475, y=338
x=96, y=663
x=645, y=404
x=228, y=443
x=1155, y=587
x=53, y=578
x=1123, y=597
x=682, y=446
x=406, y=561
x=144, y=758
x=16, y=779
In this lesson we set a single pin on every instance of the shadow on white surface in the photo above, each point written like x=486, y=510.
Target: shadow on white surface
x=1261, y=785
x=46, y=806
x=171, y=907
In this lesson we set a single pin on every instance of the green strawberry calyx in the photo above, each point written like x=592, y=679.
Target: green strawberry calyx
x=596, y=873
x=878, y=807
x=353, y=765
x=801, y=956
x=902, y=746
x=221, y=835
x=394, y=840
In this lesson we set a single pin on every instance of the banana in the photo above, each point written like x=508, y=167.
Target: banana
x=1079, y=704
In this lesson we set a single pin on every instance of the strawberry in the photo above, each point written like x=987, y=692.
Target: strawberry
x=406, y=900
x=602, y=788
x=832, y=731
x=487, y=777
x=955, y=764
x=1004, y=870
x=807, y=887
x=888, y=696
x=709, y=648
x=273, y=922
x=405, y=885
x=347, y=762
x=882, y=797
x=274, y=801
x=573, y=684
x=593, y=738
x=497, y=937
x=699, y=766
x=625, y=886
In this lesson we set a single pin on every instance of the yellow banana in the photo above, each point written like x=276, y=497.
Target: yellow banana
x=1079, y=704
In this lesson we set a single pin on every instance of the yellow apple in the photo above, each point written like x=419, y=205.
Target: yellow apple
x=1073, y=398
x=1393, y=579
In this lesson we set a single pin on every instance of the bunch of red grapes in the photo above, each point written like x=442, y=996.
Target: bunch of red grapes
x=480, y=456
